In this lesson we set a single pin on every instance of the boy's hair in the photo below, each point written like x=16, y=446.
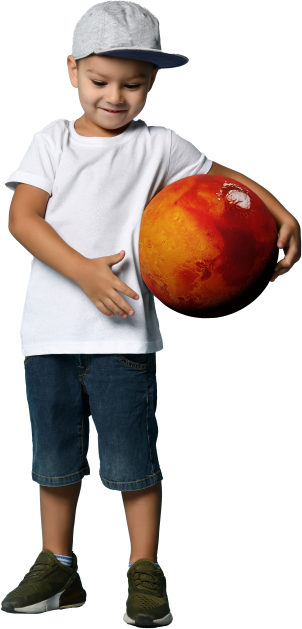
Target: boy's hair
x=78, y=60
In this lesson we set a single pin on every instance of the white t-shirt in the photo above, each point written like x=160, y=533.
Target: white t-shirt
x=99, y=189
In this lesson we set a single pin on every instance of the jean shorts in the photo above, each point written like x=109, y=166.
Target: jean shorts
x=119, y=392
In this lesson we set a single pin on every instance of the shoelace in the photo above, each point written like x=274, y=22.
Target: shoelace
x=36, y=570
x=152, y=583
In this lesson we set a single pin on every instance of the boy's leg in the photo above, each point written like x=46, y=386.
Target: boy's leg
x=58, y=508
x=143, y=510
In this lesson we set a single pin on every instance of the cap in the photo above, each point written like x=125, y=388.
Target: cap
x=122, y=29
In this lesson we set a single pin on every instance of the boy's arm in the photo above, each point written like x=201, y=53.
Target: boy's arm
x=27, y=225
x=280, y=214
x=288, y=227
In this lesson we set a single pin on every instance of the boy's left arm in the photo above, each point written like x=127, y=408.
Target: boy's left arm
x=288, y=227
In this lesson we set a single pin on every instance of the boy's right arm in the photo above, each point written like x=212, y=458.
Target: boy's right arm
x=27, y=225
x=94, y=276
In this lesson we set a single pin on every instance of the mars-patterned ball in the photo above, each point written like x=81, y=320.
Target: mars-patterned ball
x=207, y=246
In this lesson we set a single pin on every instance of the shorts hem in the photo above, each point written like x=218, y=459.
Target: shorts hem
x=134, y=485
x=60, y=481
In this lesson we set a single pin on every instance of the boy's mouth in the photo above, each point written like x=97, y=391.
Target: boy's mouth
x=113, y=111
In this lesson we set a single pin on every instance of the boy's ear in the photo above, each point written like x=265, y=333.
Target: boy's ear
x=153, y=76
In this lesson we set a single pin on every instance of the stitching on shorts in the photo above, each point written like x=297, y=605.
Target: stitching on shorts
x=26, y=359
x=147, y=423
x=135, y=365
x=75, y=474
x=113, y=482
x=82, y=433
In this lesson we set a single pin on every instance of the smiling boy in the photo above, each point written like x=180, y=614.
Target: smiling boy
x=79, y=195
x=104, y=114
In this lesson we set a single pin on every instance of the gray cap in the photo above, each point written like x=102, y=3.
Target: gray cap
x=122, y=29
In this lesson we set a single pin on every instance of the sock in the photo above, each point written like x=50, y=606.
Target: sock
x=131, y=564
x=67, y=561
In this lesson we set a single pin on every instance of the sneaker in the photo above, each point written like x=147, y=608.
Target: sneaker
x=48, y=585
x=147, y=604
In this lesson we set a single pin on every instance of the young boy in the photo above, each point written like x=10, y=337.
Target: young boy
x=79, y=195
x=80, y=192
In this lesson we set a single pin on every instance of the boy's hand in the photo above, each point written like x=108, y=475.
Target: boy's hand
x=100, y=284
x=290, y=241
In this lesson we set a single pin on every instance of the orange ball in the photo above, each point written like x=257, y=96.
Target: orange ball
x=207, y=246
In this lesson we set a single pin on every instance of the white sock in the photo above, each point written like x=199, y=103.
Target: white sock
x=67, y=561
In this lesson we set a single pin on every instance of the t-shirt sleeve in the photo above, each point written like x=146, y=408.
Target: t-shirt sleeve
x=185, y=160
x=37, y=167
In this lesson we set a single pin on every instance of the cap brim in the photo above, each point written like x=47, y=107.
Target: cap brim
x=160, y=58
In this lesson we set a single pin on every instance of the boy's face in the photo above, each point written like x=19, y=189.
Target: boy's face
x=110, y=83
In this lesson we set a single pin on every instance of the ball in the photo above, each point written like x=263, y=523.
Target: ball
x=207, y=246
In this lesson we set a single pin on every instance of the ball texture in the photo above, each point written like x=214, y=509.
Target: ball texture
x=207, y=246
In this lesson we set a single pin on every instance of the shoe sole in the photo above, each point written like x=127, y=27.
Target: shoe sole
x=48, y=605
x=147, y=621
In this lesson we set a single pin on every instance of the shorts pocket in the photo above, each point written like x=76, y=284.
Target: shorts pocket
x=139, y=361
x=26, y=359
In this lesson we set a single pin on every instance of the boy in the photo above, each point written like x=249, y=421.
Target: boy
x=80, y=192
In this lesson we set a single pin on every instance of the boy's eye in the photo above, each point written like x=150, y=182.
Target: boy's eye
x=101, y=83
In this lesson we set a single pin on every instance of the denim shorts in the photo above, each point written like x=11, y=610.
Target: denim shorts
x=119, y=391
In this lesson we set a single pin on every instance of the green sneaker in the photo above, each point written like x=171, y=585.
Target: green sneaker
x=48, y=585
x=147, y=603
